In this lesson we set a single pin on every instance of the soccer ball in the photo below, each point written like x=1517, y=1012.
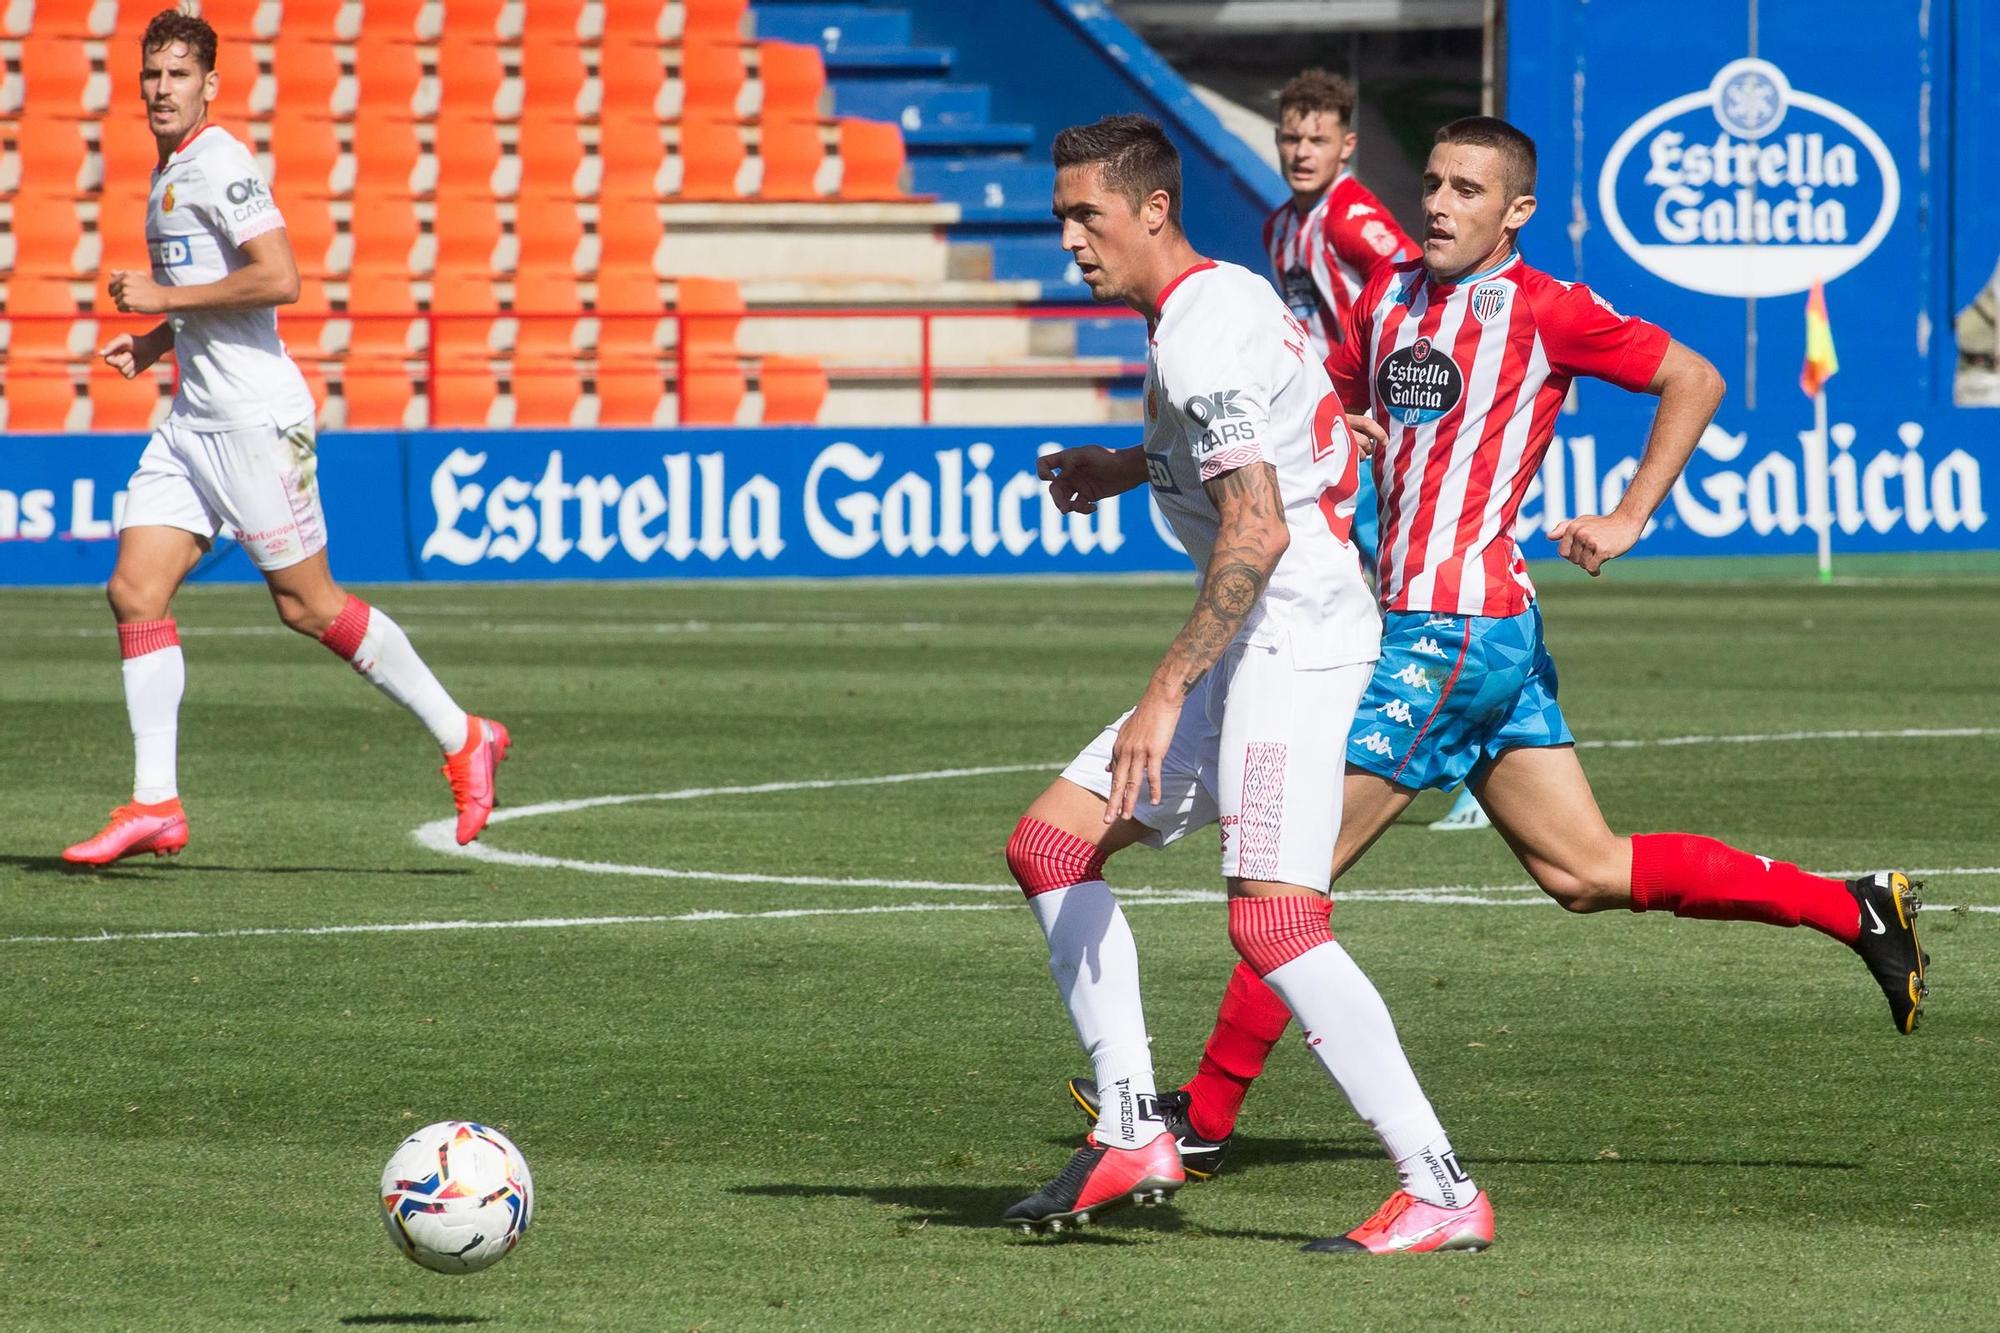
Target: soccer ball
x=456, y=1197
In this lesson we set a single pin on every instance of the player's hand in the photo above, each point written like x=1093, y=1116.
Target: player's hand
x=1137, y=754
x=122, y=355
x=137, y=294
x=1368, y=433
x=1593, y=542
x=1078, y=478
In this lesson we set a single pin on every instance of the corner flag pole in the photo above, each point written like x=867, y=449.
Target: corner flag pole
x=1821, y=364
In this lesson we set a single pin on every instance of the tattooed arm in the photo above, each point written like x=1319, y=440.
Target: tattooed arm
x=1251, y=538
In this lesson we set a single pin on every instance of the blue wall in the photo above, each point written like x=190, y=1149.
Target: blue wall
x=1878, y=121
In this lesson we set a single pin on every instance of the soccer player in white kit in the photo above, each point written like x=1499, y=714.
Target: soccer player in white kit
x=1244, y=722
x=236, y=452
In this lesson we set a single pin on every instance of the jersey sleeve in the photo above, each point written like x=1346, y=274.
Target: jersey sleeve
x=1347, y=365
x=1367, y=238
x=236, y=200
x=1218, y=371
x=1583, y=335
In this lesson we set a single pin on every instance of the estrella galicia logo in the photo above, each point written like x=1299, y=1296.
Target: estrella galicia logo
x=170, y=252
x=1160, y=473
x=1748, y=187
x=1218, y=406
x=1418, y=383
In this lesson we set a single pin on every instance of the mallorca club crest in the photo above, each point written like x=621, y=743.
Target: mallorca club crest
x=1749, y=187
x=167, y=200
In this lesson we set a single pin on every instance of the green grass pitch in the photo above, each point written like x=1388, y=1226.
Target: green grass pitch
x=800, y=1088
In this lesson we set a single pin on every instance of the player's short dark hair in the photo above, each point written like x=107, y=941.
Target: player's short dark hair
x=1517, y=150
x=1134, y=155
x=1315, y=90
x=171, y=27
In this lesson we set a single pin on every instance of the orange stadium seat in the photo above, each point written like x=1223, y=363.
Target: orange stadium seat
x=56, y=73
x=549, y=25
x=794, y=80
x=313, y=298
x=468, y=232
x=631, y=75
x=710, y=310
x=386, y=155
x=46, y=231
x=544, y=378
x=51, y=154
x=378, y=278
x=235, y=85
x=309, y=226
x=117, y=403
x=794, y=389
x=545, y=275
x=871, y=160
x=389, y=71
x=388, y=20
x=304, y=152
x=711, y=157
x=552, y=79
x=712, y=78
x=471, y=21
x=628, y=232
x=712, y=18
x=376, y=394
x=40, y=385
x=634, y=22
x=550, y=154
x=235, y=20
x=466, y=389
x=468, y=151
x=129, y=155
x=712, y=393
x=631, y=371
x=792, y=155
x=470, y=77
x=38, y=296
x=632, y=153
x=121, y=229
x=308, y=69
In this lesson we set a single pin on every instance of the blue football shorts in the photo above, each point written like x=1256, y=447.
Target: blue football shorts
x=1451, y=694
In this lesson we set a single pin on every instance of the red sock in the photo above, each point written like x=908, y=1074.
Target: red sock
x=1698, y=877
x=1247, y=1026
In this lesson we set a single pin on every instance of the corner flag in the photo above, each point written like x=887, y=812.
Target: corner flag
x=1821, y=364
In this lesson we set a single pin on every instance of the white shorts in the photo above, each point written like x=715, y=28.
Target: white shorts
x=260, y=483
x=1261, y=746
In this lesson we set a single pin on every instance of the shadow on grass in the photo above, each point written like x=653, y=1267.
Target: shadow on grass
x=138, y=870
x=1644, y=1159
x=411, y=1320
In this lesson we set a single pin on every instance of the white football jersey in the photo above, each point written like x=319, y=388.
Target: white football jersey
x=1231, y=380
x=207, y=201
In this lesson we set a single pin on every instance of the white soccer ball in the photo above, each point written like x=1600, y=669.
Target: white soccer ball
x=457, y=1196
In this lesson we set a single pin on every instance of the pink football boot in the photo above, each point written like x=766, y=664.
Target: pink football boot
x=134, y=830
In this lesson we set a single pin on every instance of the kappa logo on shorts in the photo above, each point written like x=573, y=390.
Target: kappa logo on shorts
x=1428, y=647
x=1415, y=677
x=1377, y=744
x=1396, y=711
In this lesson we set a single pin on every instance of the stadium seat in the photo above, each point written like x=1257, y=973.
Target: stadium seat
x=56, y=73
x=552, y=81
x=129, y=155
x=632, y=78
x=468, y=157
x=309, y=226
x=378, y=278
x=628, y=231
x=871, y=160
x=711, y=159
x=631, y=370
x=635, y=22
x=704, y=19
x=631, y=153
x=39, y=296
x=545, y=273
x=40, y=382
x=550, y=25
x=51, y=154
x=466, y=390
x=121, y=231
x=550, y=154
x=117, y=403
x=387, y=20
x=544, y=377
x=304, y=152
x=375, y=395
x=793, y=79
x=236, y=102
x=794, y=389
x=468, y=233
x=390, y=73
x=241, y=21
x=46, y=230
x=712, y=78
x=792, y=155
x=467, y=21
x=320, y=19
x=308, y=69
x=386, y=156
x=471, y=75
x=713, y=385
x=314, y=299
x=712, y=393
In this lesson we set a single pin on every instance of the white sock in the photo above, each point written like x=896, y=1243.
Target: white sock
x=153, y=685
x=1348, y=1028
x=384, y=655
x=1096, y=967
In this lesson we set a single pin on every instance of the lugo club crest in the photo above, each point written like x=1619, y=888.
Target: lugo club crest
x=1418, y=383
x=1748, y=187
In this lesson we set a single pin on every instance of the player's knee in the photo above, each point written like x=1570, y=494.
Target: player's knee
x=1579, y=890
x=1044, y=858
x=300, y=615
x=1267, y=933
x=132, y=600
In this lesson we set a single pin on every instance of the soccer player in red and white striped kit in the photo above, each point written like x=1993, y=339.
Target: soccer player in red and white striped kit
x=1465, y=358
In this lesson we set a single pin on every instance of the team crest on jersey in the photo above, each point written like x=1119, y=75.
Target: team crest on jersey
x=1418, y=383
x=1488, y=300
x=1152, y=403
x=167, y=200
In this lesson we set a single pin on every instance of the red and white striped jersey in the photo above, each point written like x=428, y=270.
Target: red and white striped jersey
x=1230, y=382
x=1321, y=261
x=1468, y=377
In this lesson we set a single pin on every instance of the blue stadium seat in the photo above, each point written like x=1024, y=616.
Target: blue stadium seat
x=989, y=189
x=915, y=104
